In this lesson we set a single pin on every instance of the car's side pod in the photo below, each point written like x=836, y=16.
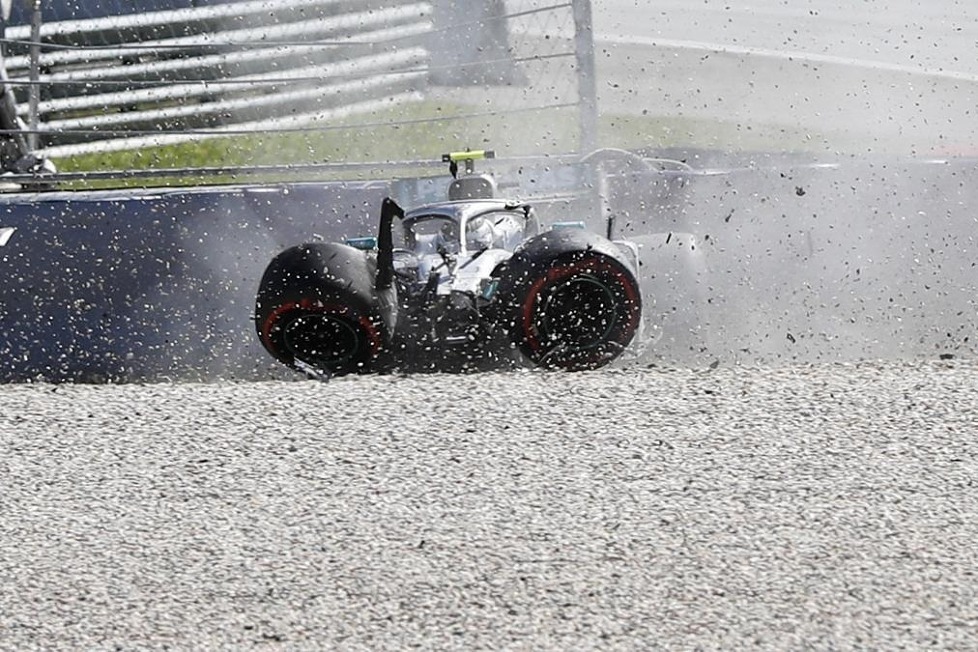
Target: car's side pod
x=319, y=310
x=569, y=299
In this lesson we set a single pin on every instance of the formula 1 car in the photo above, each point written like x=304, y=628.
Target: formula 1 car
x=470, y=283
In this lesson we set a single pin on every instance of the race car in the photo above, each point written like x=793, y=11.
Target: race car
x=465, y=284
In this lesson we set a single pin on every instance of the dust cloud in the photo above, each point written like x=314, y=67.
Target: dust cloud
x=811, y=263
x=831, y=197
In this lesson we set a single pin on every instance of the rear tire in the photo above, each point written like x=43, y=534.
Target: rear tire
x=317, y=309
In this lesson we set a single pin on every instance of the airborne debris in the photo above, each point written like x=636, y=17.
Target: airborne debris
x=468, y=282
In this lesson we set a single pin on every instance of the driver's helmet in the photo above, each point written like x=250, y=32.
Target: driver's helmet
x=479, y=233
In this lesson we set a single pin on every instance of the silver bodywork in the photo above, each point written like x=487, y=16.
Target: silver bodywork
x=462, y=242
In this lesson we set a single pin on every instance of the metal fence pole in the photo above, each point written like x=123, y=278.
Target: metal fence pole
x=586, y=75
x=34, y=98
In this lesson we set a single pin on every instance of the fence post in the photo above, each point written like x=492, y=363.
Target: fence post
x=586, y=75
x=34, y=97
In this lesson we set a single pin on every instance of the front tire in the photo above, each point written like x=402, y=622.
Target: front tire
x=574, y=302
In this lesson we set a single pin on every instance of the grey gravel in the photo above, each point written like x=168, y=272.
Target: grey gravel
x=821, y=506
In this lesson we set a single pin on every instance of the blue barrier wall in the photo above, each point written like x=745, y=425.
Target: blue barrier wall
x=148, y=285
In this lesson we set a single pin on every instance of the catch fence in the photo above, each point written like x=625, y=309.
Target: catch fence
x=334, y=76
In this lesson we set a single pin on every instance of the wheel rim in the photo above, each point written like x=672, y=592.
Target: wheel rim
x=579, y=313
x=322, y=339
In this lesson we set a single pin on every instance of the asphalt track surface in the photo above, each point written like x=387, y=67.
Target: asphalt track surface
x=793, y=507
x=868, y=78
x=934, y=35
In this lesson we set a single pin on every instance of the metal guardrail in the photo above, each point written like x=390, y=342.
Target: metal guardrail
x=218, y=68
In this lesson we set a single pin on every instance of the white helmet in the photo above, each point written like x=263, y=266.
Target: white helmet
x=479, y=233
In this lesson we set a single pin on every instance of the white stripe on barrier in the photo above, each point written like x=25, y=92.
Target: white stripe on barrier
x=266, y=53
x=258, y=126
x=355, y=88
x=234, y=10
x=336, y=55
x=375, y=65
x=260, y=36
